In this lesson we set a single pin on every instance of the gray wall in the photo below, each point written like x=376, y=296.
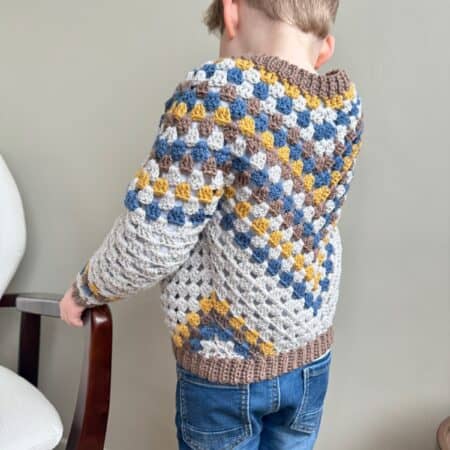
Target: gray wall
x=82, y=86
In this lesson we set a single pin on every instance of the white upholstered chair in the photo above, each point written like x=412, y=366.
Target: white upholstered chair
x=28, y=421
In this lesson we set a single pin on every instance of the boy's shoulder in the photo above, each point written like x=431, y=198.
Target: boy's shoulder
x=253, y=90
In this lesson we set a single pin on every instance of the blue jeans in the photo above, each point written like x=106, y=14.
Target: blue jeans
x=283, y=413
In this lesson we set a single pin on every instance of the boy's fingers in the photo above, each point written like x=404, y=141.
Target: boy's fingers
x=71, y=318
x=76, y=321
x=65, y=318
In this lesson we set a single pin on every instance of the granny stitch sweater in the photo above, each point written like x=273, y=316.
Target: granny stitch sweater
x=235, y=213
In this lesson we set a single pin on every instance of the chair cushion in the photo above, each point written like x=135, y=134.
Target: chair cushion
x=28, y=421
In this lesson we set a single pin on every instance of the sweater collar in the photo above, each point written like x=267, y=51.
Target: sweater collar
x=327, y=85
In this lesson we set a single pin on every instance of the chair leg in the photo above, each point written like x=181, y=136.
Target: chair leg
x=30, y=331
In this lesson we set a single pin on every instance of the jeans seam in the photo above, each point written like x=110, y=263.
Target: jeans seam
x=299, y=413
x=274, y=395
x=278, y=394
x=246, y=402
x=305, y=399
x=306, y=391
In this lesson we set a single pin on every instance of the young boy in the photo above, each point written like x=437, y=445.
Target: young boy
x=235, y=213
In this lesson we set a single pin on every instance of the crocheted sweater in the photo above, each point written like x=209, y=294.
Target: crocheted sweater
x=234, y=212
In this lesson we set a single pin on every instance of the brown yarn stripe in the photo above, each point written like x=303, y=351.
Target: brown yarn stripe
x=334, y=82
x=242, y=371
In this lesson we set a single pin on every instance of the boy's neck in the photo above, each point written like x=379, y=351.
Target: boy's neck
x=275, y=39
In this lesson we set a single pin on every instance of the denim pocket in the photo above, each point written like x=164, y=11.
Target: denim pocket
x=315, y=384
x=213, y=416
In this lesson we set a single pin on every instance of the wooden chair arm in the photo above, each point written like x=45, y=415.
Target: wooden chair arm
x=88, y=430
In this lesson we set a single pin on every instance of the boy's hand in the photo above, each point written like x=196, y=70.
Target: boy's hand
x=70, y=311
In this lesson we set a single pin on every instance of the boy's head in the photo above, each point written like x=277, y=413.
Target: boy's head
x=298, y=28
x=310, y=16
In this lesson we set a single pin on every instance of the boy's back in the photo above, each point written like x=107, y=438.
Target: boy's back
x=235, y=212
x=257, y=295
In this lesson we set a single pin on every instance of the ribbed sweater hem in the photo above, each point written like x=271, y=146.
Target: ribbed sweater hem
x=242, y=371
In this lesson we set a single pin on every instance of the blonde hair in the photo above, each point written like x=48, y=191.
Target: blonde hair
x=316, y=16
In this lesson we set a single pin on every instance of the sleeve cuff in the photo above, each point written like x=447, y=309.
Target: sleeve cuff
x=78, y=299
x=85, y=293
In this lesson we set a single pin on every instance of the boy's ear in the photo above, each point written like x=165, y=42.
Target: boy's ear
x=230, y=17
x=326, y=52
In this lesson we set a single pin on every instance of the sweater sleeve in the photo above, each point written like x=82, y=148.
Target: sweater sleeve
x=345, y=160
x=169, y=200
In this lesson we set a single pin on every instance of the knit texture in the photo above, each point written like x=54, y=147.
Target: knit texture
x=235, y=213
